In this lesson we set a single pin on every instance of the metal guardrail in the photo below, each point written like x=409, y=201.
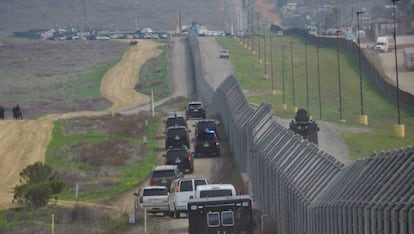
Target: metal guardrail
x=304, y=189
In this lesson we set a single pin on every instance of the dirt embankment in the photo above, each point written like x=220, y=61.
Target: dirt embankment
x=24, y=142
x=268, y=11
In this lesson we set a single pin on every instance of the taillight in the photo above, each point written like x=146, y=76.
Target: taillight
x=141, y=200
x=177, y=188
x=165, y=161
x=190, y=159
x=217, y=143
x=151, y=181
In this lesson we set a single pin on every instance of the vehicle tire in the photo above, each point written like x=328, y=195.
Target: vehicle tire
x=165, y=213
x=171, y=214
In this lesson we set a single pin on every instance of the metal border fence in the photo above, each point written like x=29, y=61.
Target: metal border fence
x=304, y=189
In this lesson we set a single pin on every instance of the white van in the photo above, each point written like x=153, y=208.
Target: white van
x=181, y=190
x=382, y=44
x=215, y=190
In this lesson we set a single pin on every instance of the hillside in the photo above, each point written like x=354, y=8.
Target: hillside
x=111, y=15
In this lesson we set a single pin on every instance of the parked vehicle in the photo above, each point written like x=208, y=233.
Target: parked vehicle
x=177, y=136
x=215, y=190
x=207, y=144
x=154, y=199
x=181, y=190
x=195, y=110
x=221, y=215
x=163, y=175
x=181, y=157
x=382, y=44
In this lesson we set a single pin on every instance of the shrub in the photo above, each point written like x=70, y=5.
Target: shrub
x=39, y=183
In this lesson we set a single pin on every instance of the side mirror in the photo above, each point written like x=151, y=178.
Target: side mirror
x=164, y=155
x=136, y=194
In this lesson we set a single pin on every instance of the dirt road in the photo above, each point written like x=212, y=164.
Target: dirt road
x=24, y=142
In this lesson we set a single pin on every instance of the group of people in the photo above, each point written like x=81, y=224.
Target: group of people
x=17, y=112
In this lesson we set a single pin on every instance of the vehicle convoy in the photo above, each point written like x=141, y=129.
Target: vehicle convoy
x=215, y=190
x=181, y=157
x=177, y=136
x=154, y=199
x=382, y=44
x=163, y=175
x=207, y=144
x=195, y=110
x=181, y=190
x=221, y=215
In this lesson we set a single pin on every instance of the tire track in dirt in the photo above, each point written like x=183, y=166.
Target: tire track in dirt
x=24, y=142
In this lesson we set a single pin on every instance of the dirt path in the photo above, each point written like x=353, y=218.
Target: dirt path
x=24, y=142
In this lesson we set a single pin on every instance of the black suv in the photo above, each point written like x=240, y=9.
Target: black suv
x=207, y=144
x=175, y=121
x=195, y=110
x=181, y=157
x=177, y=136
x=206, y=126
x=164, y=175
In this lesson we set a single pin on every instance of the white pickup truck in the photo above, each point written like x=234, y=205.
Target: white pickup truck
x=154, y=199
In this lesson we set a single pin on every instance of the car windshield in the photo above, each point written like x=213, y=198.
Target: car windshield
x=216, y=193
x=180, y=153
x=200, y=182
x=163, y=173
x=155, y=192
x=206, y=125
x=175, y=121
x=195, y=106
